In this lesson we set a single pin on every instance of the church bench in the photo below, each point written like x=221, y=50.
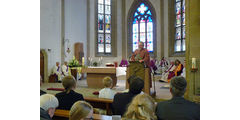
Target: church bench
x=64, y=115
x=100, y=103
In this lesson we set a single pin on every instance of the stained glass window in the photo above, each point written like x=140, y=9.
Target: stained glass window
x=180, y=26
x=104, y=27
x=142, y=27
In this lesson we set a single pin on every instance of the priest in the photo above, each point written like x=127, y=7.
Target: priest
x=65, y=69
x=141, y=54
x=57, y=71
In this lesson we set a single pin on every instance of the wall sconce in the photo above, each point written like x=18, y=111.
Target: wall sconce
x=49, y=49
x=68, y=50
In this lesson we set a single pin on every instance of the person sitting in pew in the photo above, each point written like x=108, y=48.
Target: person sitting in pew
x=142, y=107
x=81, y=110
x=41, y=91
x=68, y=97
x=107, y=92
x=121, y=100
x=48, y=104
x=128, y=80
x=178, y=108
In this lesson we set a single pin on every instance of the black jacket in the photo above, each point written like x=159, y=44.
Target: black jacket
x=178, y=109
x=67, y=100
x=44, y=115
x=121, y=101
x=42, y=92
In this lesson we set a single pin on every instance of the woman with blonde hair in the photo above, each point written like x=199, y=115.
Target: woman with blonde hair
x=81, y=110
x=142, y=107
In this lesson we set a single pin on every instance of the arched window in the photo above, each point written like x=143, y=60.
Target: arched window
x=180, y=26
x=104, y=32
x=142, y=28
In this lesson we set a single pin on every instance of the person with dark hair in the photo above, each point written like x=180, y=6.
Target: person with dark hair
x=178, y=108
x=121, y=100
x=68, y=97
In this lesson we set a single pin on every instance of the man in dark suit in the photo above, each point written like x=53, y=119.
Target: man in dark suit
x=121, y=100
x=178, y=108
x=68, y=97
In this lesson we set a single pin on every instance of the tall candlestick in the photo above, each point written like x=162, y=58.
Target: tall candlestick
x=82, y=61
x=194, y=63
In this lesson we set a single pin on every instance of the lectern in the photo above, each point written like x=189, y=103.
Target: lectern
x=138, y=69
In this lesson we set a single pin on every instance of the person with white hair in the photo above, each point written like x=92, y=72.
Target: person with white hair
x=48, y=105
x=57, y=71
x=178, y=108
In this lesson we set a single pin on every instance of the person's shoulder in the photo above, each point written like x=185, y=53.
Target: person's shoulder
x=102, y=90
x=192, y=103
x=60, y=94
x=120, y=95
x=162, y=103
x=78, y=94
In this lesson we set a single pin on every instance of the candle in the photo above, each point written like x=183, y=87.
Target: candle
x=194, y=63
x=82, y=60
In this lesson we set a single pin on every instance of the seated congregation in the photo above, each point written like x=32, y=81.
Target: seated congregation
x=132, y=104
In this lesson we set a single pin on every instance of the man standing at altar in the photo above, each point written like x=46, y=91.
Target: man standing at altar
x=65, y=69
x=141, y=54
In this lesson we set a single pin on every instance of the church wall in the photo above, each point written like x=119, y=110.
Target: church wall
x=50, y=30
x=75, y=12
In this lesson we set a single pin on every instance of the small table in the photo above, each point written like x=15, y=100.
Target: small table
x=95, y=76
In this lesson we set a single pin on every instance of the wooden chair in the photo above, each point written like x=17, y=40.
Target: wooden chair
x=64, y=115
x=53, y=78
x=100, y=103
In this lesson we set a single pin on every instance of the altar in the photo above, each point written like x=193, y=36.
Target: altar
x=95, y=76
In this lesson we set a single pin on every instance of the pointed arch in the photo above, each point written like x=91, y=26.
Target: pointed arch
x=137, y=7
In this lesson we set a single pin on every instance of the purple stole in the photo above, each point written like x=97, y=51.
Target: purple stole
x=58, y=69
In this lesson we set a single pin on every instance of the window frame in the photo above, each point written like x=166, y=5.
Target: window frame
x=104, y=30
x=181, y=28
x=172, y=31
x=130, y=20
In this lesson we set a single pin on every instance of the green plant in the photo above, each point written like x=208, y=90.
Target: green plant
x=74, y=63
x=95, y=64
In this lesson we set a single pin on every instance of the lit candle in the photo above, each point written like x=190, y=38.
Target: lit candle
x=82, y=60
x=194, y=63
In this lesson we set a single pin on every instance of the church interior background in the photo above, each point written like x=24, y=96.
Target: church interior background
x=109, y=30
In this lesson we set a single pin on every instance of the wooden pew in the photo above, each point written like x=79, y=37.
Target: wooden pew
x=64, y=115
x=100, y=103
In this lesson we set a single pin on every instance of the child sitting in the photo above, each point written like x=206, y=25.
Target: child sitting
x=107, y=92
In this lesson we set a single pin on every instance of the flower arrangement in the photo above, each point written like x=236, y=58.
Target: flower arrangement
x=74, y=63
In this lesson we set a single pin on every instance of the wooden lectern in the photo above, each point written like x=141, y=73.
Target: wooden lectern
x=138, y=69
